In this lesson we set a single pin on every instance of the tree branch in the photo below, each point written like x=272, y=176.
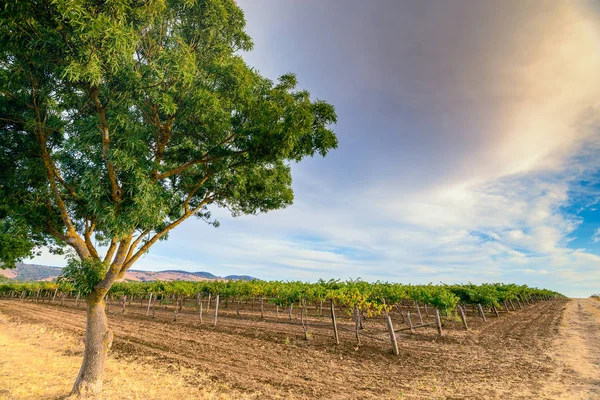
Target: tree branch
x=135, y=243
x=88, y=238
x=111, y=250
x=112, y=175
x=112, y=274
x=160, y=234
x=71, y=238
x=186, y=203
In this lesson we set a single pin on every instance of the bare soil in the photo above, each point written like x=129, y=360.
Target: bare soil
x=547, y=351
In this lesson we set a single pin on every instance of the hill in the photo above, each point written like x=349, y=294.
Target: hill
x=34, y=272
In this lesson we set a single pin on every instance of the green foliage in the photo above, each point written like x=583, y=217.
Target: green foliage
x=371, y=298
x=15, y=242
x=131, y=116
x=83, y=275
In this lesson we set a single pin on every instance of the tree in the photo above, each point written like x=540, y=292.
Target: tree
x=121, y=119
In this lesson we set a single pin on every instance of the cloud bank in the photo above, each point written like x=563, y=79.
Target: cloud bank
x=468, y=147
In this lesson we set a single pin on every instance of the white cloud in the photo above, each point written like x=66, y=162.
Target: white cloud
x=474, y=141
x=596, y=236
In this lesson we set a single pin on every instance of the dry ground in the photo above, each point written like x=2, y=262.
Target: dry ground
x=548, y=351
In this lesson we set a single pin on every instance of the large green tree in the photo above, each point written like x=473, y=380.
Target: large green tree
x=120, y=119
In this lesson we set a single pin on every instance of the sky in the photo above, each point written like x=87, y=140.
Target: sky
x=469, y=147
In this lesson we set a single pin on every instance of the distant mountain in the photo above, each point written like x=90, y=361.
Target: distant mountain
x=33, y=272
x=240, y=277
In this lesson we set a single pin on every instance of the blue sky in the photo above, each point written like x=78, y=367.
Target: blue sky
x=469, y=147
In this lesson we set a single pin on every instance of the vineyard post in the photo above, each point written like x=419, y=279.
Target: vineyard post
x=175, y=314
x=481, y=312
x=77, y=300
x=419, y=313
x=149, y=302
x=463, y=317
x=495, y=310
x=519, y=303
x=438, y=321
x=356, y=324
x=512, y=305
x=426, y=310
x=303, y=319
x=410, y=324
x=216, y=310
x=506, y=306
x=123, y=300
x=23, y=295
x=261, y=308
x=290, y=312
x=200, y=310
x=37, y=296
x=53, y=297
x=390, y=327
x=335, y=330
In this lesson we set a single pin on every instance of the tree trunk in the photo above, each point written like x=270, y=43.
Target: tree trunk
x=98, y=339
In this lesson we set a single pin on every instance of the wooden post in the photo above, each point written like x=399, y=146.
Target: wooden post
x=335, y=330
x=463, y=317
x=53, y=297
x=481, y=312
x=303, y=320
x=261, y=308
x=512, y=305
x=356, y=324
x=123, y=300
x=290, y=312
x=495, y=310
x=506, y=306
x=149, y=302
x=208, y=304
x=410, y=322
x=200, y=306
x=419, y=313
x=426, y=310
x=438, y=321
x=77, y=300
x=390, y=327
x=216, y=310
x=175, y=314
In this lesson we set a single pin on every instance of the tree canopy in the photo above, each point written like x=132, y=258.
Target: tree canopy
x=120, y=119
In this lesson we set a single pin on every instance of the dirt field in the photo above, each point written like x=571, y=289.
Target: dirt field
x=548, y=351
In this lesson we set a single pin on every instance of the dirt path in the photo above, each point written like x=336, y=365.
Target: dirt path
x=576, y=351
x=506, y=358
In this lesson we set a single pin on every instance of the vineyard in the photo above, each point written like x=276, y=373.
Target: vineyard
x=353, y=306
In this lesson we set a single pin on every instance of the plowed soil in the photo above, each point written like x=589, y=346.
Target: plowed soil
x=547, y=351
